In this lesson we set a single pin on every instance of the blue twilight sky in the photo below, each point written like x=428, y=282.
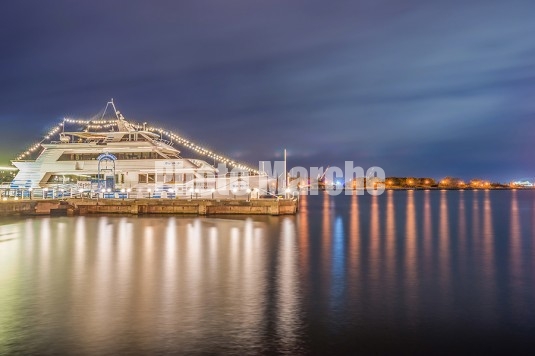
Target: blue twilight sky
x=417, y=87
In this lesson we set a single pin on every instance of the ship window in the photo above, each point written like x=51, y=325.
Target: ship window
x=120, y=156
x=142, y=178
x=151, y=177
x=164, y=178
x=66, y=157
x=62, y=179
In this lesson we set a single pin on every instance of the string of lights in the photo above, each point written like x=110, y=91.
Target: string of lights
x=37, y=145
x=103, y=124
x=201, y=150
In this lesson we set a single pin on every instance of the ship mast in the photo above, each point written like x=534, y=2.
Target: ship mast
x=122, y=124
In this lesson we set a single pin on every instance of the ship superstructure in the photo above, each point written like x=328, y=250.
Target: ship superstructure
x=121, y=156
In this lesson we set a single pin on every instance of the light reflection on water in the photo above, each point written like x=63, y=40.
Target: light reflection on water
x=412, y=271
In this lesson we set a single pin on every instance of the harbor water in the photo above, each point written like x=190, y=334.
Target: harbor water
x=403, y=272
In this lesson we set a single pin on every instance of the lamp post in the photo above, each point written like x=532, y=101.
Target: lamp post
x=128, y=192
x=213, y=191
x=45, y=191
x=248, y=194
x=171, y=190
x=149, y=190
x=123, y=191
x=30, y=192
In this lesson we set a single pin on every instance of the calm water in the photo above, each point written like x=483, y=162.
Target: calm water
x=402, y=272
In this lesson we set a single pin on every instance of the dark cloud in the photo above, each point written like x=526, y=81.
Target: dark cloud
x=417, y=87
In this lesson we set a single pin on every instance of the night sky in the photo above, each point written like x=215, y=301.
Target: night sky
x=425, y=88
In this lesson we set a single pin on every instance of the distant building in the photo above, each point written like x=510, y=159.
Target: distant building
x=522, y=183
x=451, y=182
x=7, y=174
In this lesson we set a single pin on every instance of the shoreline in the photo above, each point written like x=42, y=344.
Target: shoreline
x=459, y=189
x=436, y=188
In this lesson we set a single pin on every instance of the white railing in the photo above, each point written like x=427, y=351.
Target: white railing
x=157, y=191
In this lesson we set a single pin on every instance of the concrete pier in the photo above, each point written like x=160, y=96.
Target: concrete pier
x=149, y=206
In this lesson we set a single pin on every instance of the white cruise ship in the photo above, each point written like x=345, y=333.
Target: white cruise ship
x=124, y=156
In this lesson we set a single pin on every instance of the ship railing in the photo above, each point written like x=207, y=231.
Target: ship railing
x=161, y=140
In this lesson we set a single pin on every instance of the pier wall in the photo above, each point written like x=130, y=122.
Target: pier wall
x=16, y=208
x=196, y=207
x=28, y=207
x=149, y=206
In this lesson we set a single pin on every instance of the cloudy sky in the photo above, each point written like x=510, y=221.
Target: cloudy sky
x=417, y=87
